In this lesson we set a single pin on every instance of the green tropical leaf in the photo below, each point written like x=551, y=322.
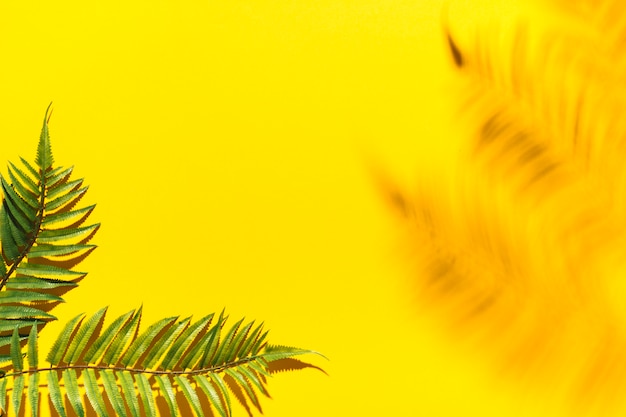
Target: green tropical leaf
x=38, y=200
x=112, y=369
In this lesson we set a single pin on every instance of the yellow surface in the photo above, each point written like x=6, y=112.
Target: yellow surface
x=229, y=146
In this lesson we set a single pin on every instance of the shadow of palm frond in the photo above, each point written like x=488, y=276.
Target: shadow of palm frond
x=523, y=254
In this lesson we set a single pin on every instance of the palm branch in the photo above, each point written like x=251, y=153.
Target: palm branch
x=43, y=237
x=199, y=358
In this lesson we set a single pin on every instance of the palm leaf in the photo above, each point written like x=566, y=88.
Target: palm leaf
x=40, y=234
x=112, y=362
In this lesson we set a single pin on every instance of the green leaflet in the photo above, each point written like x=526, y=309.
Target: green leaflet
x=55, y=395
x=93, y=393
x=56, y=250
x=128, y=389
x=211, y=393
x=60, y=345
x=13, y=296
x=141, y=343
x=34, y=283
x=16, y=396
x=190, y=394
x=78, y=343
x=44, y=150
x=168, y=393
x=110, y=386
x=72, y=391
x=145, y=391
x=22, y=312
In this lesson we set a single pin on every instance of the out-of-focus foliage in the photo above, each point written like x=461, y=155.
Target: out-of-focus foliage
x=522, y=252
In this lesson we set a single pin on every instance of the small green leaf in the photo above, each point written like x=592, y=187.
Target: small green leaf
x=83, y=335
x=243, y=383
x=33, y=393
x=24, y=179
x=30, y=168
x=276, y=352
x=224, y=350
x=112, y=355
x=9, y=325
x=73, y=394
x=128, y=389
x=59, y=189
x=190, y=394
x=55, y=393
x=9, y=245
x=57, y=175
x=168, y=393
x=160, y=346
x=173, y=356
x=25, y=193
x=12, y=296
x=58, y=217
x=34, y=283
x=147, y=398
x=100, y=345
x=211, y=393
x=115, y=398
x=16, y=352
x=18, y=390
x=33, y=354
x=56, y=250
x=60, y=345
x=60, y=201
x=42, y=270
x=44, y=151
x=23, y=312
x=3, y=394
x=93, y=393
x=56, y=235
x=223, y=391
x=141, y=343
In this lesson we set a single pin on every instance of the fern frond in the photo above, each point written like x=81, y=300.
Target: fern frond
x=119, y=364
x=42, y=235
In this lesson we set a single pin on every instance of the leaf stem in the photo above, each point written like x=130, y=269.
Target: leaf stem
x=214, y=369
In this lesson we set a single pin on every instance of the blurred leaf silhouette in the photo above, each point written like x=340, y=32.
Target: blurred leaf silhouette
x=522, y=253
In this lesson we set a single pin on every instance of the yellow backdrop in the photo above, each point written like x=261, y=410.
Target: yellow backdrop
x=229, y=147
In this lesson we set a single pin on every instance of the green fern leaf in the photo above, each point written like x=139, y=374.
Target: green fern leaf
x=37, y=204
x=115, y=365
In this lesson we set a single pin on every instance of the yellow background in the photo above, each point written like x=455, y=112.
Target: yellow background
x=229, y=146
